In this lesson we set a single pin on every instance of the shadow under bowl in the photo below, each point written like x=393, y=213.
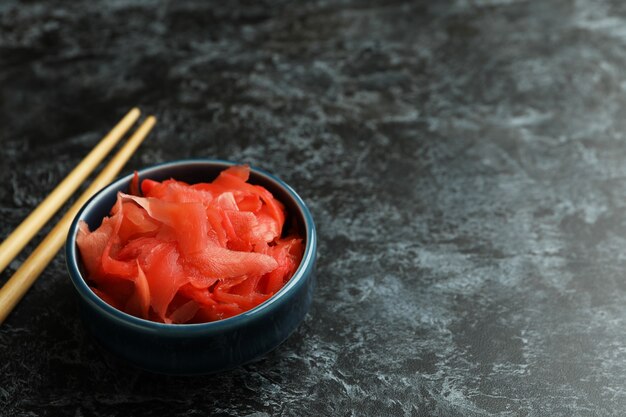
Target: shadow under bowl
x=192, y=349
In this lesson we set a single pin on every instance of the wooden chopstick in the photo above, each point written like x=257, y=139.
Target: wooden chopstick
x=25, y=276
x=16, y=241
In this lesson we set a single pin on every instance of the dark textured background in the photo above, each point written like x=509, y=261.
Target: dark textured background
x=464, y=161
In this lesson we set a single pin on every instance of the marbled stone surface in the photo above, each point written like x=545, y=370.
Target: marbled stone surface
x=465, y=162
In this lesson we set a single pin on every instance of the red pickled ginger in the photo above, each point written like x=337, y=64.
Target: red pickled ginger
x=186, y=253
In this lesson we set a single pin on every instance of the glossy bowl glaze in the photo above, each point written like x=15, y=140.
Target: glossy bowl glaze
x=188, y=349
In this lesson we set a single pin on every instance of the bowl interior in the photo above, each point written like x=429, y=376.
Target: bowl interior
x=191, y=171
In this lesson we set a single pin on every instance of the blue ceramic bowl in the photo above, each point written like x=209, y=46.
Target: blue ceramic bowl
x=188, y=349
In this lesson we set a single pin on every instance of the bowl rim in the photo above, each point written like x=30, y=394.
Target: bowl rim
x=298, y=279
